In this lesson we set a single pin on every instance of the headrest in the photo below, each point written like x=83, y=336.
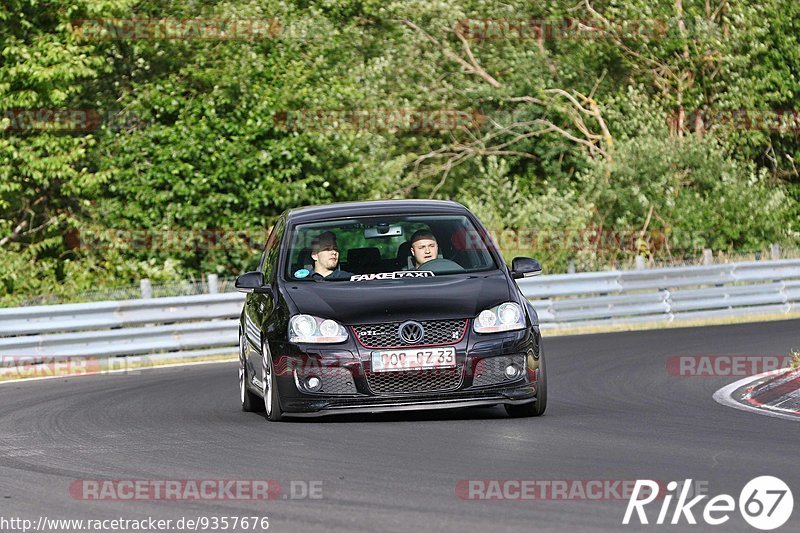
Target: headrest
x=304, y=259
x=404, y=256
x=363, y=256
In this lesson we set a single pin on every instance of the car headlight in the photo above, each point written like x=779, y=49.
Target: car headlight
x=307, y=328
x=507, y=316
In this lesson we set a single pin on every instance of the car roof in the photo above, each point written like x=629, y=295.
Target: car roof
x=378, y=207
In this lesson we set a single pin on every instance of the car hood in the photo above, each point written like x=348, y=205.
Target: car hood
x=369, y=302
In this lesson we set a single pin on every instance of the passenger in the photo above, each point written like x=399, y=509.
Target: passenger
x=423, y=247
x=325, y=253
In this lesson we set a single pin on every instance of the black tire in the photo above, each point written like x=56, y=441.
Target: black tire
x=251, y=402
x=272, y=400
x=538, y=407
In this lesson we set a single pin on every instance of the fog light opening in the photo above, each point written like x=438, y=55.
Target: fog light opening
x=513, y=372
x=313, y=383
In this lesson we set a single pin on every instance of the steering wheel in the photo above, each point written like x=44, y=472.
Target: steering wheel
x=440, y=265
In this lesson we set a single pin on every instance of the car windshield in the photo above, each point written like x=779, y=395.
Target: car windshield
x=396, y=247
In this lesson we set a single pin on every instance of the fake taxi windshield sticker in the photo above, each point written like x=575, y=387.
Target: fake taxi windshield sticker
x=393, y=275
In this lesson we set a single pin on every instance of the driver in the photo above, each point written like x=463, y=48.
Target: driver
x=325, y=253
x=423, y=247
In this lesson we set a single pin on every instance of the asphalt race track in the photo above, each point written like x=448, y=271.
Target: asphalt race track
x=614, y=413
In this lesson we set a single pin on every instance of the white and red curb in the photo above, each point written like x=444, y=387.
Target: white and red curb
x=775, y=393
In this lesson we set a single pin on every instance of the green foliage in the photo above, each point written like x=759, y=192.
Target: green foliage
x=705, y=199
x=43, y=174
x=45, y=279
x=205, y=149
x=545, y=224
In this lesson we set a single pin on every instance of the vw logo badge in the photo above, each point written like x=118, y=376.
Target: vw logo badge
x=411, y=332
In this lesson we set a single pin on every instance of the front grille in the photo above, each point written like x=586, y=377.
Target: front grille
x=335, y=380
x=491, y=370
x=433, y=380
x=387, y=334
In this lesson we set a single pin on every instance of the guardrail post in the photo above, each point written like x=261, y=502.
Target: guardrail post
x=775, y=251
x=640, y=265
x=708, y=256
x=146, y=287
x=213, y=284
x=571, y=266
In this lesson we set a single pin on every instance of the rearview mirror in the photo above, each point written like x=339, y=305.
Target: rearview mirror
x=525, y=267
x=383, y=230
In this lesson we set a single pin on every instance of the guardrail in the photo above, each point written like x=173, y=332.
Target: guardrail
x=665, y=294
x=206, y=324
x=127, y=327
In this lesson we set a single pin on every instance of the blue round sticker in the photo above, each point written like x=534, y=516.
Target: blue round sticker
x=302, y=273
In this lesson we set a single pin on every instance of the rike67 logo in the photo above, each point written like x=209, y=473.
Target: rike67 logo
x=765, y=503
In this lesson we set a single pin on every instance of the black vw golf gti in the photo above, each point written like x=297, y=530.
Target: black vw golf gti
x=389, y=305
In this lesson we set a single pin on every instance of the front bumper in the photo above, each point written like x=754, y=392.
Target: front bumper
x=453, y=400
x=349, y=386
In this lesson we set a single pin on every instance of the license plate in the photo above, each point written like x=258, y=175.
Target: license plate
x=413, y=359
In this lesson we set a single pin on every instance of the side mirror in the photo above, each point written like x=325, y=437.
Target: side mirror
x=252, y=282
x=525, y=267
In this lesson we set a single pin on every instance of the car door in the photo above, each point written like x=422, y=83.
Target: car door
x=259, y=306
